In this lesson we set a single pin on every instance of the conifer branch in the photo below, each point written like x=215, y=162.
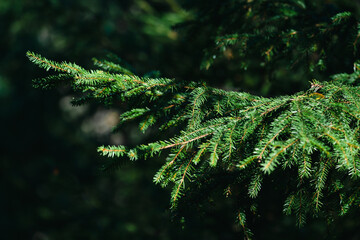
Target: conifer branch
x=233, y=129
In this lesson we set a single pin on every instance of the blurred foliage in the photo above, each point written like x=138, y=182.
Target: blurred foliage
x=51, y=185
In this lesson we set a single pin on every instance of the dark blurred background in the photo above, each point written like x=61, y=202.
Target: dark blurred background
x=51, y=186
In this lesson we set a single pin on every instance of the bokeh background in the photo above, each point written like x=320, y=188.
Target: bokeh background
x=51, y=186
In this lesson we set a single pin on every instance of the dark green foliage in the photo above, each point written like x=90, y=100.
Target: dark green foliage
x=305, y=34
x=232, y=139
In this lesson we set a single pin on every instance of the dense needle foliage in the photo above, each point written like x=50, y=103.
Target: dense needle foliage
x=235, y=140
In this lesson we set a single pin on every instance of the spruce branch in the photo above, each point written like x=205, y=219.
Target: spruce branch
x=236, y=133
